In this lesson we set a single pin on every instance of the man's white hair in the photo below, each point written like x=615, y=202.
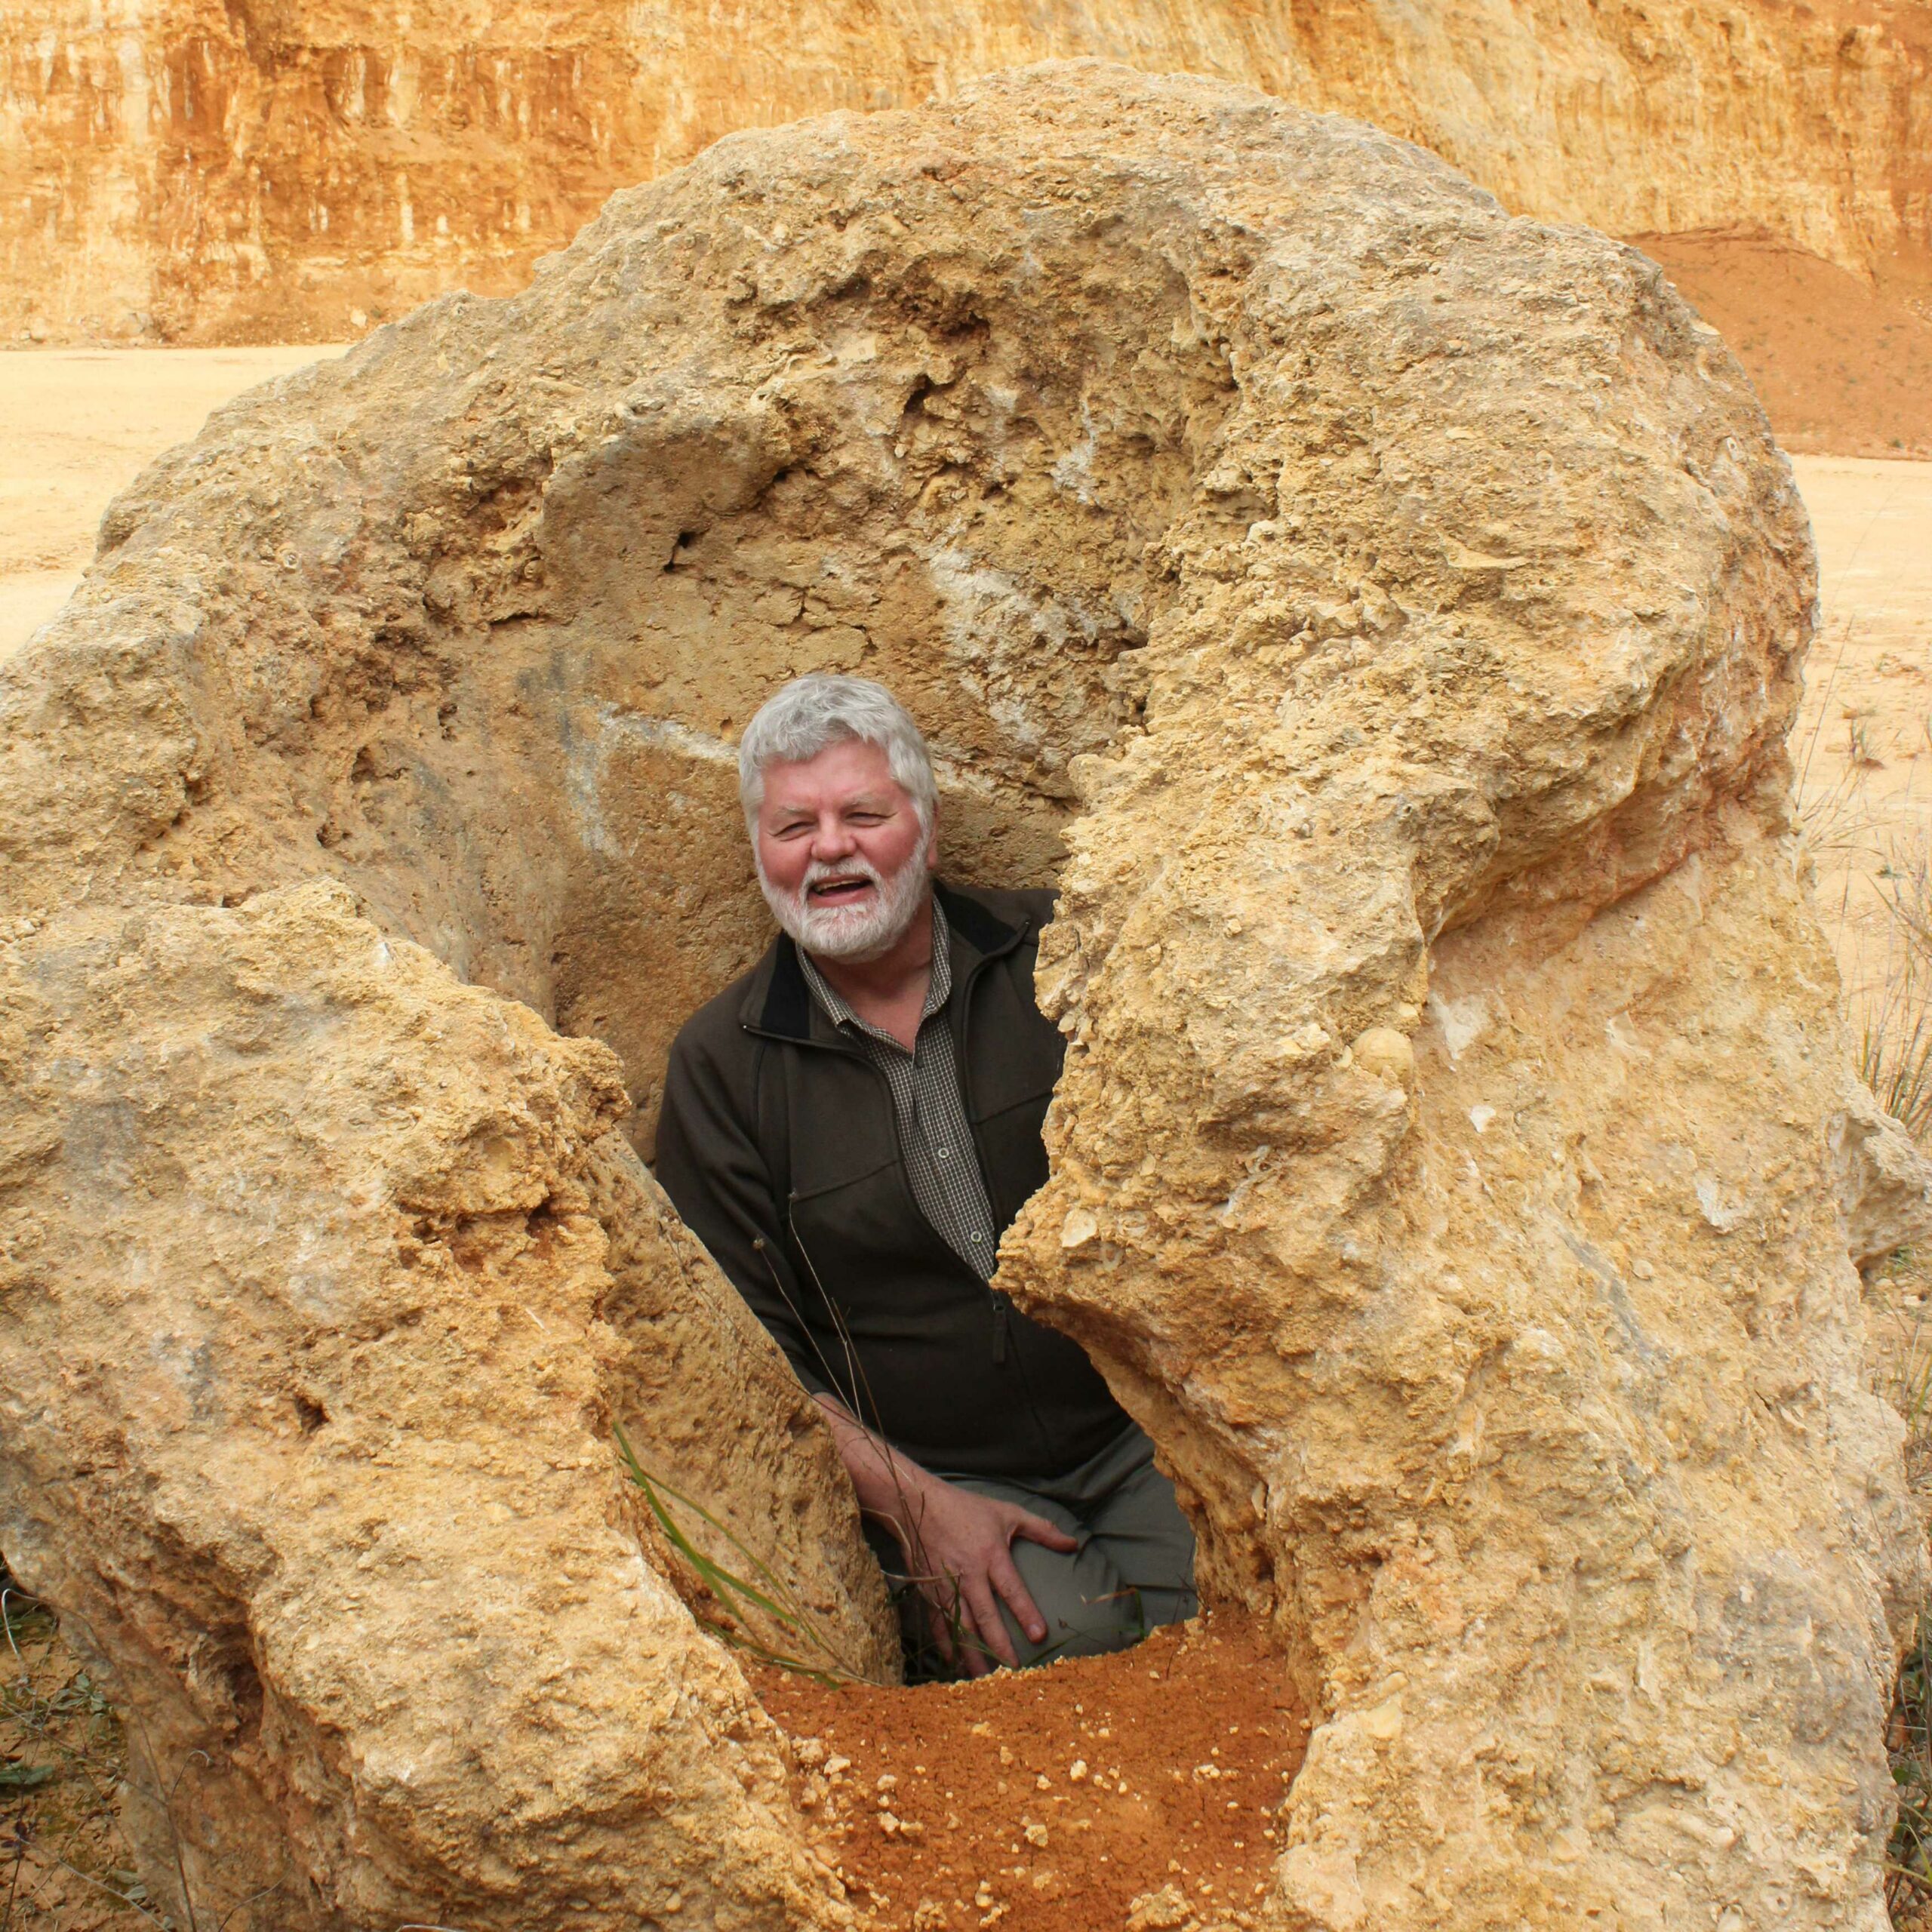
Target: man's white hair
x=800, y=719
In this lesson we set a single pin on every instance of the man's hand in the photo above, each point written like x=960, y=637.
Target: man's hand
x=958, y=1550
x=958, y=1544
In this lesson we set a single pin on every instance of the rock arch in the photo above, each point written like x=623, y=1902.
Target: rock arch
x=1383, y=615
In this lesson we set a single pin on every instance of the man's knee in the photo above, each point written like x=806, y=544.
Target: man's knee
x=1086, y=1608
x=1083, y=1608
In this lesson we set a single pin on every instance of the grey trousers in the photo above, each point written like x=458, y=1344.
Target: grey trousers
x=1133, y=1571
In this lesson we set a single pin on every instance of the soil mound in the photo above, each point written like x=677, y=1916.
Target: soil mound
x=1149, y=1784
x=1383, y=615
x=1842, y=361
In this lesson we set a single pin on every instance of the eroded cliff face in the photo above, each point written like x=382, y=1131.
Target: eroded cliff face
x=1384, y=615
x=209, y=173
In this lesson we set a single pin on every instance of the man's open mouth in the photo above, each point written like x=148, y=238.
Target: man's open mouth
x=839, y=891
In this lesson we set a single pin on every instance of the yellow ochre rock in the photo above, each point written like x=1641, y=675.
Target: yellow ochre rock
x=1382, y=614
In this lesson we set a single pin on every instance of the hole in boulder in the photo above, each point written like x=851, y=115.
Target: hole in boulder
x=999, y=565
x=995, y=552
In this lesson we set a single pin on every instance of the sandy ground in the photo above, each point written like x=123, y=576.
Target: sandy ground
x=76, y=425
x=1863, y=745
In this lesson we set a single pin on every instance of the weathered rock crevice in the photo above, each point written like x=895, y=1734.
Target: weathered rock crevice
x=1382, y=616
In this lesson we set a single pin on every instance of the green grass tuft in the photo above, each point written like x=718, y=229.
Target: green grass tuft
x=769, y=1596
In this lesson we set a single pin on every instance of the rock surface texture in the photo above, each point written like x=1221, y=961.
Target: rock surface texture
x=220, y=172
x=1387, y=612
x=316, y=1344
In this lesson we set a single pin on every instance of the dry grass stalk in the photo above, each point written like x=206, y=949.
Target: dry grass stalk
x=1889, y=1009
x=1895, y=1026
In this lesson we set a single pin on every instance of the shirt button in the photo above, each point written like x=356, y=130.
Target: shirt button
x=977, y=1237
x=943, y=1152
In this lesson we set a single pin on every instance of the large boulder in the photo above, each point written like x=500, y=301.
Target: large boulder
x=1382, y=615
x=326, y=1286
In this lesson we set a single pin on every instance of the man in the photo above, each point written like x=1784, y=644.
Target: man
x=849, y=1129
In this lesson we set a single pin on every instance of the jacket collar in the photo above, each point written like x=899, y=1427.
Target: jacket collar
x=778, y=1001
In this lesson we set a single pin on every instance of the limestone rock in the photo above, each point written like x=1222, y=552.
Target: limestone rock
x=1884, y=1181
x=314, y=1345
x=1388, y=612
x=196, y=172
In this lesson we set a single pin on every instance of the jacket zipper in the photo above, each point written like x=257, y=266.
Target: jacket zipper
x=1001, y=1307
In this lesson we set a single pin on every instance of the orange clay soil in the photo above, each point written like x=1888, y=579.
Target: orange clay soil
x=1051, y=1799
x=1842, y=362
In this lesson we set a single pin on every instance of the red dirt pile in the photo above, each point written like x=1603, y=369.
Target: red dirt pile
x=1053, y=1800
x=1843, y=362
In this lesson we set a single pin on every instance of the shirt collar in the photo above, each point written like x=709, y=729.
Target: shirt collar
x=938, y=990
x=778, y=1005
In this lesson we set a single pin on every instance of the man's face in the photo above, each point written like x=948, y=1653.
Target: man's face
x=840, y=853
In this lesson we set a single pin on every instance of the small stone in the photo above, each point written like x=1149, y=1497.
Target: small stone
x=1165, y=1911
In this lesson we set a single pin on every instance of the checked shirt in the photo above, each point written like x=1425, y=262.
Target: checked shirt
x=941, y=1161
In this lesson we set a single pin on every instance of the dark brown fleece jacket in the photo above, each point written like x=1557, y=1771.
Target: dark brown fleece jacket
x=779, y=1146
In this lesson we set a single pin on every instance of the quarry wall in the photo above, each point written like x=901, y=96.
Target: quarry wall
x=265, y=171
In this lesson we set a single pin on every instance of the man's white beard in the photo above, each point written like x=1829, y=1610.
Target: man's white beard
x=858, y=933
